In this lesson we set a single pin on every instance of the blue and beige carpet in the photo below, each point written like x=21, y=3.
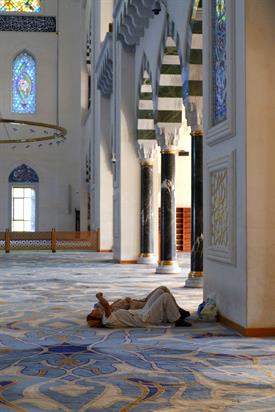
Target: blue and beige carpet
x=51, y=361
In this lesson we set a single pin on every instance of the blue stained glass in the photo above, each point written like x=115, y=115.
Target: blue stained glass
x=24, y=84
x=219, y=61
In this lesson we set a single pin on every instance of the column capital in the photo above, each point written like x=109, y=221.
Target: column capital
x=168, y=138
x=194, y=115
x=197, y=133
x=147, y=150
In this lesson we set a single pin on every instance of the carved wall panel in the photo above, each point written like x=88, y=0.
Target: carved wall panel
x=221, y=225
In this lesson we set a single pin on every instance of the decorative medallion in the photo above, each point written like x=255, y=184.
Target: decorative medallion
x=23, y=174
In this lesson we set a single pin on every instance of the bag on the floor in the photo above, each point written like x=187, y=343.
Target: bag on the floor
x=208, y=310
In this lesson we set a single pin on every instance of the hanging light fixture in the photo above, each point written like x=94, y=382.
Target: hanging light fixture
x=14, y=131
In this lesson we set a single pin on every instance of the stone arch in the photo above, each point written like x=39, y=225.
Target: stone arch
x=145, y=109
x=169, y=88
x=193, y=70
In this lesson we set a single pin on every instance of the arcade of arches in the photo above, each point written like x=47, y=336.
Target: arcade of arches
x=169, y=110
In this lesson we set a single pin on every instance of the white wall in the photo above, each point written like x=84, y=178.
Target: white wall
x=98, y=133
x=127, y=185
x=245, y=286
x=106, y=178
x=260, y=123
x=226, y=276
x=58, y=61
x=70, y=52
x=106, y=17
x=245, y=289
x=183, y=170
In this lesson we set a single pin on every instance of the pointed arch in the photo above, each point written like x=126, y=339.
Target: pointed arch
x=170, y=107
x=193, y=69
x=145, y=112
x=24, y=80
x=22, y=6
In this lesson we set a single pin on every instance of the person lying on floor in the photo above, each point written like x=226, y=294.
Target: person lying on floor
x=130, y=303
x=159, y=307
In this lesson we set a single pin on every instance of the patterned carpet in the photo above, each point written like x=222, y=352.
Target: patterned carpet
x=51, y=361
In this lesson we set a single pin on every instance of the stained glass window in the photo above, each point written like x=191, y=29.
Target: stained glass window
x=24, y=6
x=219, y=61
x=24, y=84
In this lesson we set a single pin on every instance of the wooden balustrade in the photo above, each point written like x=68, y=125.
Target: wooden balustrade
x=53, y=240
x=7, y=241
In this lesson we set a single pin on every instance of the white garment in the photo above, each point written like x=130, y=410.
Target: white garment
x=160, y=308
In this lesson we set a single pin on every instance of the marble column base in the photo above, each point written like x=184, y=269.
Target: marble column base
x=168, y=266
x=147, y=259
x=194, y=280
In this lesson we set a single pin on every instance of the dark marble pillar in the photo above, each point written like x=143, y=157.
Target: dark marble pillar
x=147, y=152
x=195, y=276
x=146, y=213
x=168, y=259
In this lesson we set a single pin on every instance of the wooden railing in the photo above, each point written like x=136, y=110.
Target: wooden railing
x=53, y=240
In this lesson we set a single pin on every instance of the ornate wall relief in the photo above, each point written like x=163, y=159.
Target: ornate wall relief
x=219, y=208
x=23, y=174
x=28, y=23
x=221, y=230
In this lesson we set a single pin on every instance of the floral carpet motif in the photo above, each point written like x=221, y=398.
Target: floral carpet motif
x=51, y=361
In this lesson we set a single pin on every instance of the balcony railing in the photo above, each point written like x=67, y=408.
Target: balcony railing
x=53, y=240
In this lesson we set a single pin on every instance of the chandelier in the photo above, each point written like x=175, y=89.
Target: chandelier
x=14, y=131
